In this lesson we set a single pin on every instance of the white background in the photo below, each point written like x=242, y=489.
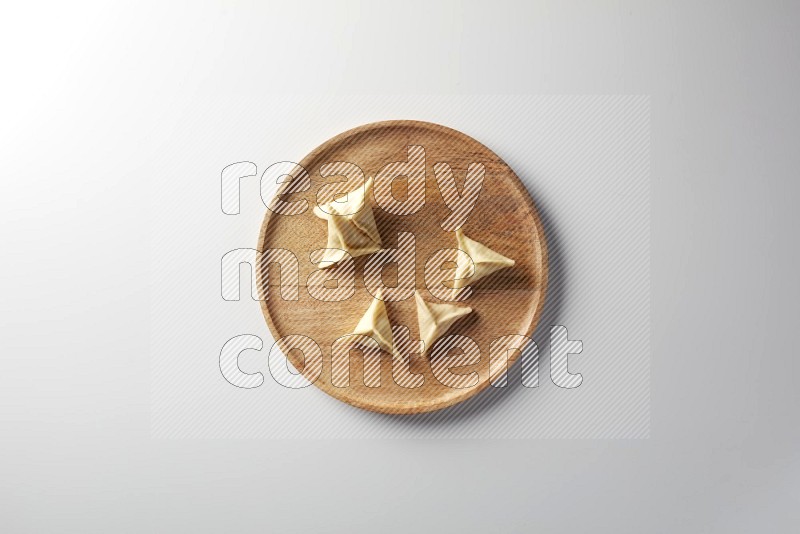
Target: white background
x=585, y=160
x=98, y=100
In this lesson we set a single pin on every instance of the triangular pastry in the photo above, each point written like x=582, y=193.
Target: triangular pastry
x=435, y=319
x=375, y=324
x=351, y=226
x=485, y=259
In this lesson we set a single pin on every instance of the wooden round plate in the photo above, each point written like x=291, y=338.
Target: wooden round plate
x=504, y=219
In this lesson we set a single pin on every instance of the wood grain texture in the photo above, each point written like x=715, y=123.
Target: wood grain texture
x=505, y=219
